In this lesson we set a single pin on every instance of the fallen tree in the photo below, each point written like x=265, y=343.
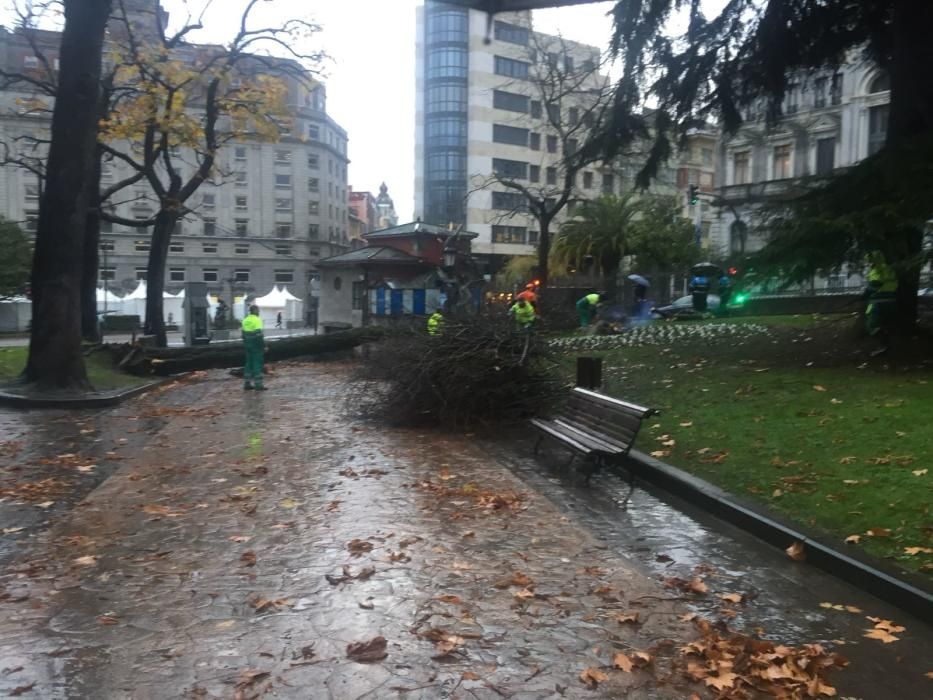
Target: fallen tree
x=166, y=361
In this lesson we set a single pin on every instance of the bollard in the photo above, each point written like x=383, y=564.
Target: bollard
x=589, y=372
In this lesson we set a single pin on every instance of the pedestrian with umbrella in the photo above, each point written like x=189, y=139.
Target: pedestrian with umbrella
x=641, y=293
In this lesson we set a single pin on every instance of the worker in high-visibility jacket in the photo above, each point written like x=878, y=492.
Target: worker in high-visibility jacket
x=254, y=344
x=881, y=295
x=586, y=308
x=436, y=322
x=523, y=313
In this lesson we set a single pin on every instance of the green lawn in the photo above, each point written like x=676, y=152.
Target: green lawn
x=842, y=449
x=102, y=374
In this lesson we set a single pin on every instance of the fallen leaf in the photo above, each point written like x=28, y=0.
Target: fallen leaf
x=89, y=560
x=469, y=676
x=796, y=551
x=248, y=558
x=22, y=689
x=11, y=530
x=881, y=635
x=289, y=503
x=368, y=652
x=107, y=620
x=848, y=460
x=447, y=644
x=697, y=585
x=732, y=597
x=627, y=617
x=835, y=401
x=817, y=387
x=623, y=662
x=723, y=680
x=592, y=677
x=853, y=539
x=886, y=625
x=661, y=453
x=878, y=532
x=853, y=609
x=452, y=599
x=247, y=678
x=687, y=424
x=912, y=551
x=366, y=605
x=919, y=472
x=358, y=547
x=45, y=504
x=239, y=538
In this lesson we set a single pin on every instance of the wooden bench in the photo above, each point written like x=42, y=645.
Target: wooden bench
x=599, y=427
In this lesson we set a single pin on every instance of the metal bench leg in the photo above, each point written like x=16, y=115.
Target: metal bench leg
x=573, y=458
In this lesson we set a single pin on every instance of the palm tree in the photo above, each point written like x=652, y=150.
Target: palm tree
x=601, y=229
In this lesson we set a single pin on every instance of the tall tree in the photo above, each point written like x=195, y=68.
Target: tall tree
x=55, y=359
x=755, y=48
x=17, y=259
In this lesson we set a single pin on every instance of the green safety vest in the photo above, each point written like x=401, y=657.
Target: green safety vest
x=592, y=299
x=881, y=278
x=434, y=323
x=524, y=315
x=252, y=324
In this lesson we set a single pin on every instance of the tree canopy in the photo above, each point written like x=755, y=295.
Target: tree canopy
x=17, y=259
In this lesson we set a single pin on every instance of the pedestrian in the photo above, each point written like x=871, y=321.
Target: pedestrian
x=641, y=293
x=523, y=313
x=586, y=307
x=254, y=345
x=278, y=320
x=725, y=292
x=436, y=322
x=699, y=288
x=881, y=295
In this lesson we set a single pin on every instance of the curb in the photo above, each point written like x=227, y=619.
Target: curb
x=900, y=589
x=88, y=401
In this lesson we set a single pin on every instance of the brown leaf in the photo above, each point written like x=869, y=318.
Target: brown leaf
x=878, y=532
x=623, y=662
x=248, y=678
x=912, y=551
x=732, y=597
x=368, y=652
x=108, y=620
x=853, y=539
x=22, y=689
x=248, y=558
x=724, y=679
x=697, y=585
x=627, y=617
x=592, y=677
x=881, y=635
x=446, y=645
x=469, y=676
x=358, y=547
x=887, y=625
x=452, y=599
x=796, y=551
x=817, y=387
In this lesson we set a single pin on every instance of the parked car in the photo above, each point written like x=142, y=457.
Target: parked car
x=683, y=307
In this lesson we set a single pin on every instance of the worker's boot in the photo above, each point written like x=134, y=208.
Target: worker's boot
x=247, y=387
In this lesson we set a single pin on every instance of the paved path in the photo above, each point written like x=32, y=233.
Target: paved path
x=242, y=541
x=174, y=337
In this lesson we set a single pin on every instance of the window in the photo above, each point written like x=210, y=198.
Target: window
x=836, y=90
x=536, y=109
x=338, y=283
x=447, y=62
x=819, y=92
x=880, y=83
x=359, y=295
x=32, y=219
x=106, y=173
x=553, y=114
x=551, y=144
x=30, y=61
x=208, y=200
x=534, y=173
x=283, y=157
x=740, y=163
x=573, y=116
x=509, y=201
x=283, y=249
x=511, y=68
x=877, y=128
x=314, y=132
x=209, y=274
x=210, y=227
x=32, y=193
x=283, y=204
x=283, y=180
x=330, y=189
x=141, y=273
x=108, y=273
x=176, y=274
x=511, y=33
x=447, y=24
x=176, y=248
x=791, y=98
x=209, y=248
x=571, y=146
x=552, y=176
x=707, y=154
x=314, y=230
x=534, y=142
x=446, y=98
x=825, y=155
x=588, y=180
x=241, y=275
x=142, y=247
x=609, y=184
x=510, y=135
x=314, y=184
x=242, y=203
x=241, y=249
x=239, y=153
x=509, y=234
x=107, y=246
x=532, y=238
x=314, y=162
x=241, y=226
x=330, y=166
x=781, y=165
x=106, y=226
x=314, y=207
x=553, y=60
x=568, y=64
x=510, y=101
x=283, y=230
x=510, y=168
x=240, y=178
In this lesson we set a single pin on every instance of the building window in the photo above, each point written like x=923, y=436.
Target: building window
x=573, y=116
x=588, y=180
x=107, y=246
x=532, y=238
x=284, y=276
x=209, y=248
x=825, y=156
x=553, y=114
x=510, y=168
x=446, y=98
x=877, y=128
x=509, y=201
x=568, y=64
x=781, y=165
x=552, y=176
x=282, y=180
x=314, y=184
x=31, y=220
x=572, y=146
x=338, y=283
x=314, y=132
x=209, y=227
x=30, y=61
x=819, y=92
x=141, y=274
x=534, y=141
x=107, y=273
x=283, y=249
x=512, y=33
x=314, y=230
x=447, y=62
x=552, y=144
x=314, y=207
x=209, y=274
x=510, y=135
x=509, y=234
x=142, y=246
x=511, y=68
x=241, y=227
x=741, y=172
x=241, y=275
x=836, y=91
x=359, y=295
x=176, y=274
x=176, y=248
x=707, y=154
x=32, y=193
x=283, y=157
x=106, y=226
x=534, y=173
x=510, y=101
x=314, y=162
x=283, y=230
x=609, y=184
x=239, y=153
x=283, y=204
x=791, y=98
x=242, y=203
x=208, y=199
x=535, y=109
x=239, y=178
x=241, y=249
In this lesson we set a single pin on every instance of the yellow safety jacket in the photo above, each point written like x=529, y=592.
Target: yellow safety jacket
x=252, y=325
x=524, y=315
x=435, y=321
x=592, y=299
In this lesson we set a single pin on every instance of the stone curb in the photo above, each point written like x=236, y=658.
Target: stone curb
x=89, y=401
x=900, y=589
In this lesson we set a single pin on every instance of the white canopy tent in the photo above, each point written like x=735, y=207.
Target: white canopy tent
x=270, y=306
x=108, y=301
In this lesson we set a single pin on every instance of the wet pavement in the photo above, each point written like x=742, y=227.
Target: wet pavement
x=232, y=545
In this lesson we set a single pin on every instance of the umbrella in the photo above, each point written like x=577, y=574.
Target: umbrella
x=638, y=279
x=705, y=268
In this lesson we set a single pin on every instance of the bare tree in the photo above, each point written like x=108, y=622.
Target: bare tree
x=566, y=85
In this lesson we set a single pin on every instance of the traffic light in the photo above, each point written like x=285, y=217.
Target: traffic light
x=694, y=196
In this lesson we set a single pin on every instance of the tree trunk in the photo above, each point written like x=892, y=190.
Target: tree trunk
x=55, y=359
x=544, y=250
x=155, y=275
x=90, y=328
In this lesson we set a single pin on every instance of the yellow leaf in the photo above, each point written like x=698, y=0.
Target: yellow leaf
x=919, y=472
x=853, y=539
x=912, y=551
x=623, y=662
x=721, y=681
x=732, y=597
x=661, y=453
x=881, y=635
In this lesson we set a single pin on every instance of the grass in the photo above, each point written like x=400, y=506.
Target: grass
x=842, y=449
x=101, y=373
